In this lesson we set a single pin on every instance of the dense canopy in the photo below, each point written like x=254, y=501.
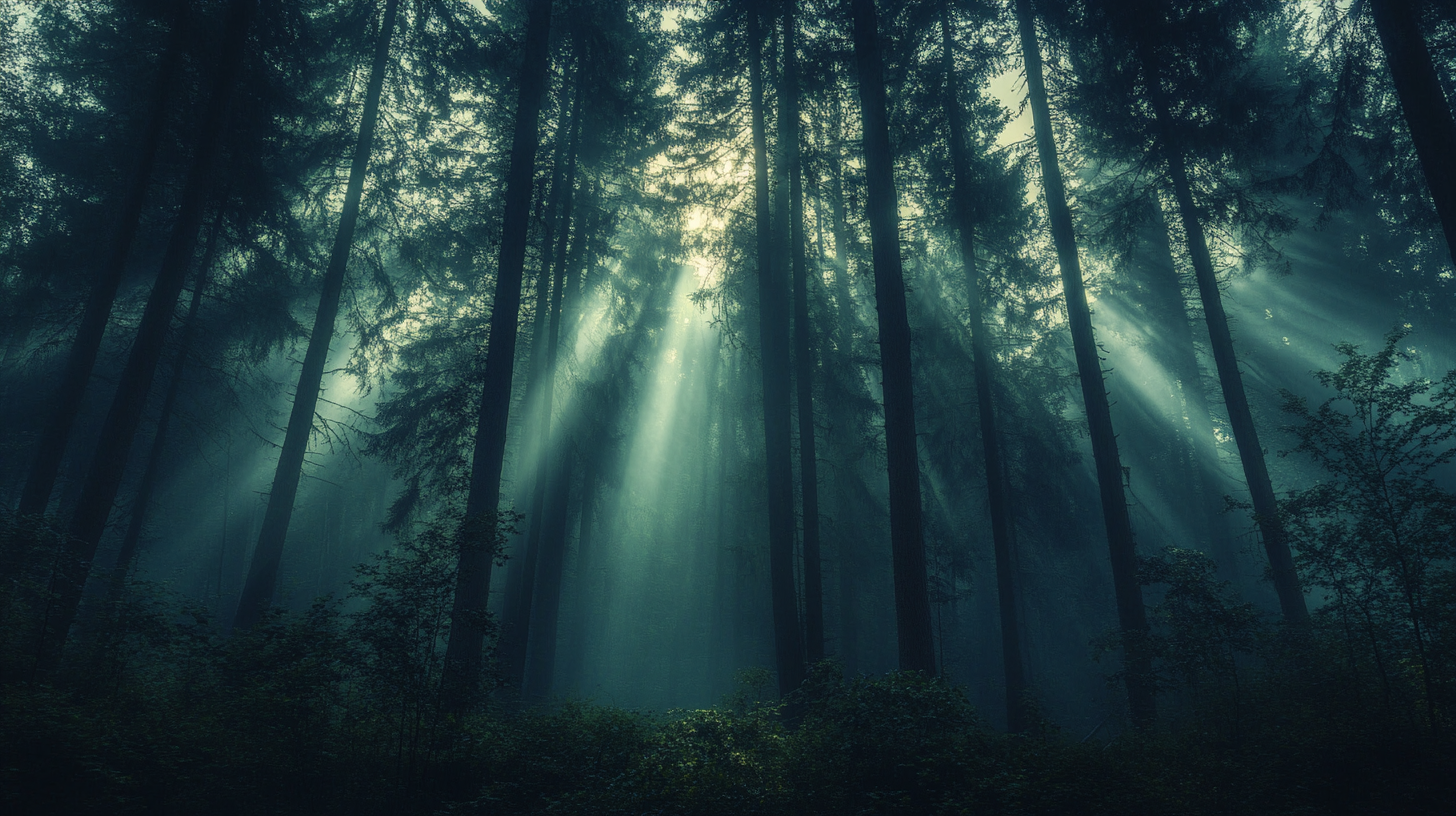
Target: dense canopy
x=750, y=406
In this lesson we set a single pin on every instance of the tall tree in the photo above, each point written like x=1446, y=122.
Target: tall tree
x=1142, y=30
x=257, y=593
x=1131, y=615
x=108, y=462
x=545, y=339
x=1427, y=110
x=85, y=346
x=907, y=542
x=774, y=352
x=804, y=356
x=142, y=502
x=554, y=477
x=477, y=534
x=984, y=365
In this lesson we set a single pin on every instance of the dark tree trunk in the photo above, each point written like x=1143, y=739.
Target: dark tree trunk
x=842, y=424
x=1241, y=419
x=108, y=463
x=1427, y=111
x=515, y=648
x=51, y=449
x=912, y=596
x=477, y=535
x=804, y=356
x=722, y=624
x=1131, y=615
x=521, y=569
x=541, y=657
x=141, y=504
x=1191, y=475
x=573, y=656
x=546, y=613
x=984, y=365
x=257, y=593
x=773, y=321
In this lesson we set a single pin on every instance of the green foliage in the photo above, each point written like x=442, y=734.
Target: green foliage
x=1200, y=628
x=30, y=549
x=1377, y=533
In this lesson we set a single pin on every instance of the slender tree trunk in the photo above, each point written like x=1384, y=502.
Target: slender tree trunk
x=773, y=323
x=574, y=655
x=843, y=424
x=141, y=504
x=51, y=449
x=721, y=634
x=541, y=665
x=516, y=649
x=984, y=365
x=520, y=577
x=108, y=463
x=912, y=596
x=1193, y=476
x=257, y=594
x=1131, y=614
x=804, y=355
x=1427, y=111
x=1241, y=419
x=477, y=551
x=545, y=615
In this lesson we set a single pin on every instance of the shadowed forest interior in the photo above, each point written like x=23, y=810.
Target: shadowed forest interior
x=754, y=406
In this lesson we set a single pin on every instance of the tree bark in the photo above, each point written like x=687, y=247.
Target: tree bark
x=1017, y=718
x=546, y=612
x=51, y=449
x=257, y=593
x=1192, y=476
x=1427, y=111
x=573, y=656
x=1241, y=419
x=141, y=504
x=804, y=355
x=912, y=596
x=108, y=463
x=472, y=585
x=843, y=422
x=773, y=321
x=1131, y=615
x=515, y=649
x=540, y=675
x=521, y=572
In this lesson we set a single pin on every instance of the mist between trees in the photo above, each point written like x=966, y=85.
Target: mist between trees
x=646, y=406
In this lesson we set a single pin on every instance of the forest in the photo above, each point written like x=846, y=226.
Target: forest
x=727, y=406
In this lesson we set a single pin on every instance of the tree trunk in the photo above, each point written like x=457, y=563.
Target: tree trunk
x=1193, y=475
x=540, y=673
x=521, y=570
x=984, y=365
x=108, y=463
x=51, y=449
x=141, y=504
x=1427, y=112
x=773, y=321
x=257, y=593
x=842, y=420
x=912, y=597
x=804, y=356
x=477, y=552
x=515, y=648
x=541, y=656
x=1241, y=419
x=574, y=655
x=1131, y=614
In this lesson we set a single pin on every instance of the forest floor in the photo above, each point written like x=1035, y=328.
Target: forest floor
x=898, y=744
